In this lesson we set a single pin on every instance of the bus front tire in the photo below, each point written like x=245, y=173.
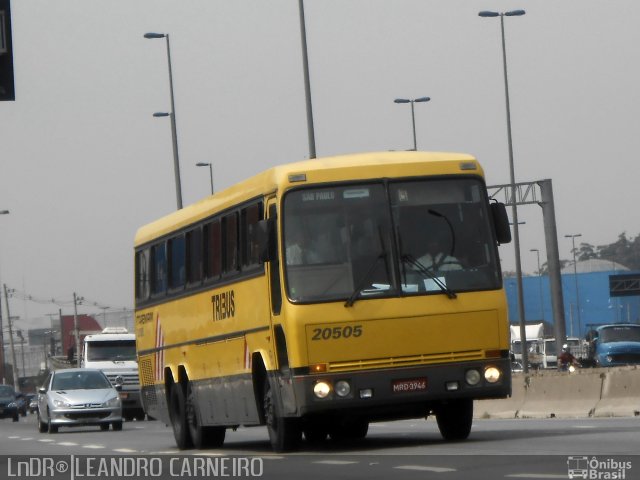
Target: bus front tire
x=178, y=416
x=201, y=436
x=284, y=433
x=454, y=419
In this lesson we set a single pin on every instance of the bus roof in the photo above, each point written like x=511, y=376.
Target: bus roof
x=359, y=166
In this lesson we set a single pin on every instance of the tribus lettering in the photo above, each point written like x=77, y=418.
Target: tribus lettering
x=223, y=305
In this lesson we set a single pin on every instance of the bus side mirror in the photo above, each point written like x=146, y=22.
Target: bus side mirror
x=266, y=239
x=501, y=222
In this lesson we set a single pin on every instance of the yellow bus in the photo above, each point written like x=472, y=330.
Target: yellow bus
x=308, y=299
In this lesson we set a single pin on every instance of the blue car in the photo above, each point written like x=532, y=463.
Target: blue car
x=617, y=344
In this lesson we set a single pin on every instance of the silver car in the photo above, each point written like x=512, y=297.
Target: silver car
x=77, y=397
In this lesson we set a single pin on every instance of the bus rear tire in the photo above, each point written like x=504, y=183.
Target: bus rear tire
x=201, y=436
x=455, y=418
x=178, y=416
x=284, y=433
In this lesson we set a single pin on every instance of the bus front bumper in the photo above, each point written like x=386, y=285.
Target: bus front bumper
x=401, y=392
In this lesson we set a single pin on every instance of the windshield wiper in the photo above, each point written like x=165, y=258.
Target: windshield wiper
x=365, y=279
x=406, y=258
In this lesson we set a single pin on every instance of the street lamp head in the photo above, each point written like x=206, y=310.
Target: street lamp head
x=422, y=99
x=203, y=164
x=487, y=13
x=402, y=100
x=514, y=13
x=534, y=250
x=4, y=212
x=161, y=114
x=154, y=35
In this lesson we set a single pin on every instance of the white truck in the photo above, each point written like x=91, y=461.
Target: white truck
x=535, y=344
x=114, y=352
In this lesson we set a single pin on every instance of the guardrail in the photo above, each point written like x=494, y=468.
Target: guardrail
x=592, y=392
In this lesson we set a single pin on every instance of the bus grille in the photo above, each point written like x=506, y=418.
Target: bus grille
x=146, y=371
x=148, y=388
x=406, y=361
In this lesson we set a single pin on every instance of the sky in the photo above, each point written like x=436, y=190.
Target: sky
x=83, y=163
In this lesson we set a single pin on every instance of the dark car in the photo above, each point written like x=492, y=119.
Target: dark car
x=8, y=405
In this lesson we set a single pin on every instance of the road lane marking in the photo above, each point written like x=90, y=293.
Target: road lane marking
x=46, y=440
x=425, y=468
x=94, y=447
x=125, y=450
x=336, y=462
x=67, y=444
x=26, y=438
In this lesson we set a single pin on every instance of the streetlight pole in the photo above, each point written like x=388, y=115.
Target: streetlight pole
x=76, y=327
x=172, y=116
x=2, y=357
x=413, y=115
x=205, y=164
x=539, y=281
x=307, y=82
x=514, y=208
x=575, y=277
x=14, y=367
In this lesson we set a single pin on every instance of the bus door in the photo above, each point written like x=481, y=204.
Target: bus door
x=281, y=377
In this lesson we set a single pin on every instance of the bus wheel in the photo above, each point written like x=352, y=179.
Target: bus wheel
x=455, y=418
x=350, y=430
x=284, y=433
x=201, y=436
x=178, y=416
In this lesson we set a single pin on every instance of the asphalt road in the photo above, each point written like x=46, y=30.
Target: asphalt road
x=519, y=448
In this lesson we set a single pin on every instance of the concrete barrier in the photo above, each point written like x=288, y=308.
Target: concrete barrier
x=620, y=393
x=504, y=407
x=552, y=394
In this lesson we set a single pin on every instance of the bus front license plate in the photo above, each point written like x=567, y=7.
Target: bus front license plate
x=409, y=385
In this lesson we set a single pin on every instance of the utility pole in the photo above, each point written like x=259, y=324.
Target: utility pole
x=2, y=357
x=14, y=369
x=76, y=299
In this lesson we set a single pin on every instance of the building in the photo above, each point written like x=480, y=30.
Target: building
x=597, y=307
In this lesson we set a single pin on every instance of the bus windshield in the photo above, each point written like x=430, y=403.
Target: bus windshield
x=372, y=240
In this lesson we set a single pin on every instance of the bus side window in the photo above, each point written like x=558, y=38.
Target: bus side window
x=158, y=269
x=142, y=275
x=250, y=216
x=212, y=250
x=177, y=268
x=194, y=256
x=230, y=243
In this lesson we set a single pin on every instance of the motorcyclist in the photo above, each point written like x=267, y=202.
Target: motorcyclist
x=566, y=359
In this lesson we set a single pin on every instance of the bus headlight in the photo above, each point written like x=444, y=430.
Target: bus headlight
x=472, y=377
x=492, y=374
x=342, y=388
x=321, y=389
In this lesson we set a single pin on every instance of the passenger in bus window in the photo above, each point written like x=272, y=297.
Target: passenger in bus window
x=437, y=258
x=297, y=247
